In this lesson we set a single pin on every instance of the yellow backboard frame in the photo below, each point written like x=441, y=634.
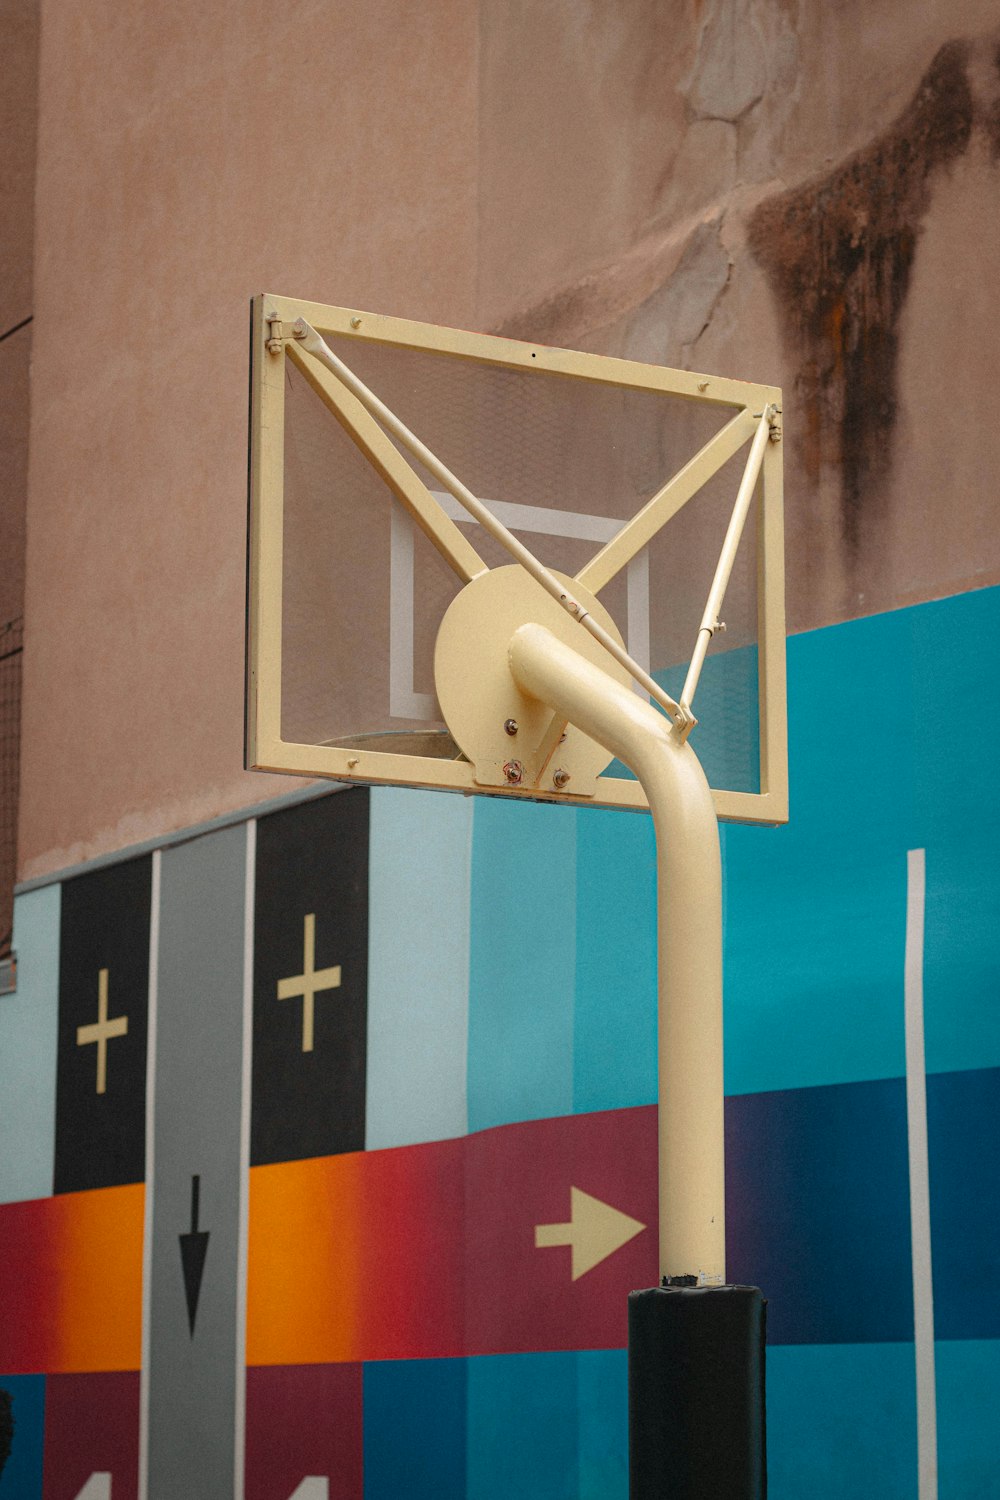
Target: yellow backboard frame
x=273, y=343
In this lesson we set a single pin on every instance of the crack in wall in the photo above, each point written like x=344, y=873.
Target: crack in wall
x=669, y=323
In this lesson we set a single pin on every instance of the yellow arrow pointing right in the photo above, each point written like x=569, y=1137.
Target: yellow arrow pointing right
x=595, y=1231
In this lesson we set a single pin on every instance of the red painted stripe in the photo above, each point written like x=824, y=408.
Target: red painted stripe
x=428, y=1251
x=523, y=1298
x=72, y=1278
x=29, y=1327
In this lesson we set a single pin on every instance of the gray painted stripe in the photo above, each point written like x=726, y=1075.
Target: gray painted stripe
x=418, y=966
x=150, y=1173
x=198, y=1129
x=184, y=835
x=920, y=1199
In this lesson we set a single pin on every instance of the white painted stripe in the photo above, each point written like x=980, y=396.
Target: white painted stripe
x=540, y=519
x=404, y=701
x=147, y=1224
x=243, y=1231
x=920, y=1200
x=637, y=623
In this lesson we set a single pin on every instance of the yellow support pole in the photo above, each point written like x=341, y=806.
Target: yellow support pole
x=692, y=1229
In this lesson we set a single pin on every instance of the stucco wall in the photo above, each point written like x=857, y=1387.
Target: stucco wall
x=791, y=193
x=18, y=96
x=188, y=157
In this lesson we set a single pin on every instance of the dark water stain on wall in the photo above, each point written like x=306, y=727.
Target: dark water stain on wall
x=993, y=113
x=839, y=254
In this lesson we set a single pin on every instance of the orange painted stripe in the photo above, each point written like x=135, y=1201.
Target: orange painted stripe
x=357, y=1257
x=304, y=1261
x=100, y=1236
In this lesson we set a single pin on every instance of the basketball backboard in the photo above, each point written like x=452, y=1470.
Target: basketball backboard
x=620, y=477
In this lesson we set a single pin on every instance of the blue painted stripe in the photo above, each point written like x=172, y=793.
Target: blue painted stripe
x=817, y=1210
x=22, y=1475
x=523, y=962
x=418, y=966
x=552, y=1426
x=29, y=1025
x=414, y=1429
x=963, y=1118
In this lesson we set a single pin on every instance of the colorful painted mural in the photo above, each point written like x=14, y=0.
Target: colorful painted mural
x=337, y=1180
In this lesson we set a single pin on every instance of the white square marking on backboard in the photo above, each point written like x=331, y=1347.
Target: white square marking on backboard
x=404, y=700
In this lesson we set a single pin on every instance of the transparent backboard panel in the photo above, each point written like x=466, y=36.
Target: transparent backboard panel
x=564, y=463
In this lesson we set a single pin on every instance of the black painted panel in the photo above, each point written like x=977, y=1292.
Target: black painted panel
x=311, y=860
x=101, y=1136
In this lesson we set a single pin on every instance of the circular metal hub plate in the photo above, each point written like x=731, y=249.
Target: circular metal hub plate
x=513, y=740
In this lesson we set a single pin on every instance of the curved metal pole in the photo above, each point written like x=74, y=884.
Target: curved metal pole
x=689, y=916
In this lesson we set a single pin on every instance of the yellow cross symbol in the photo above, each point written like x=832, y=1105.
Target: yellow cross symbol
x=101, y=1030
x=309, y=983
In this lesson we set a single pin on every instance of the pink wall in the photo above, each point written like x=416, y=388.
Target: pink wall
x=610, y=176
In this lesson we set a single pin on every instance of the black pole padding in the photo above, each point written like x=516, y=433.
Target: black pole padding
x=696, y=1393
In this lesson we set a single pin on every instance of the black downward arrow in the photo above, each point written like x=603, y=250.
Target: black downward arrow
x=194, y=1248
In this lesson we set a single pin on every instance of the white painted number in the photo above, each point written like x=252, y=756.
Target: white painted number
x=98, y=1487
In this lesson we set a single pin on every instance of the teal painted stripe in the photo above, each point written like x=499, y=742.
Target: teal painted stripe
x=614, y=1039
x=815, y=912
x=522, y=962
x=29, y=1021
x=418, y=966
x=841, y=1422
x=959, y=641
x=602, y=1406
x=727, y=738
x=552, y=1426
x=968, y=1400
